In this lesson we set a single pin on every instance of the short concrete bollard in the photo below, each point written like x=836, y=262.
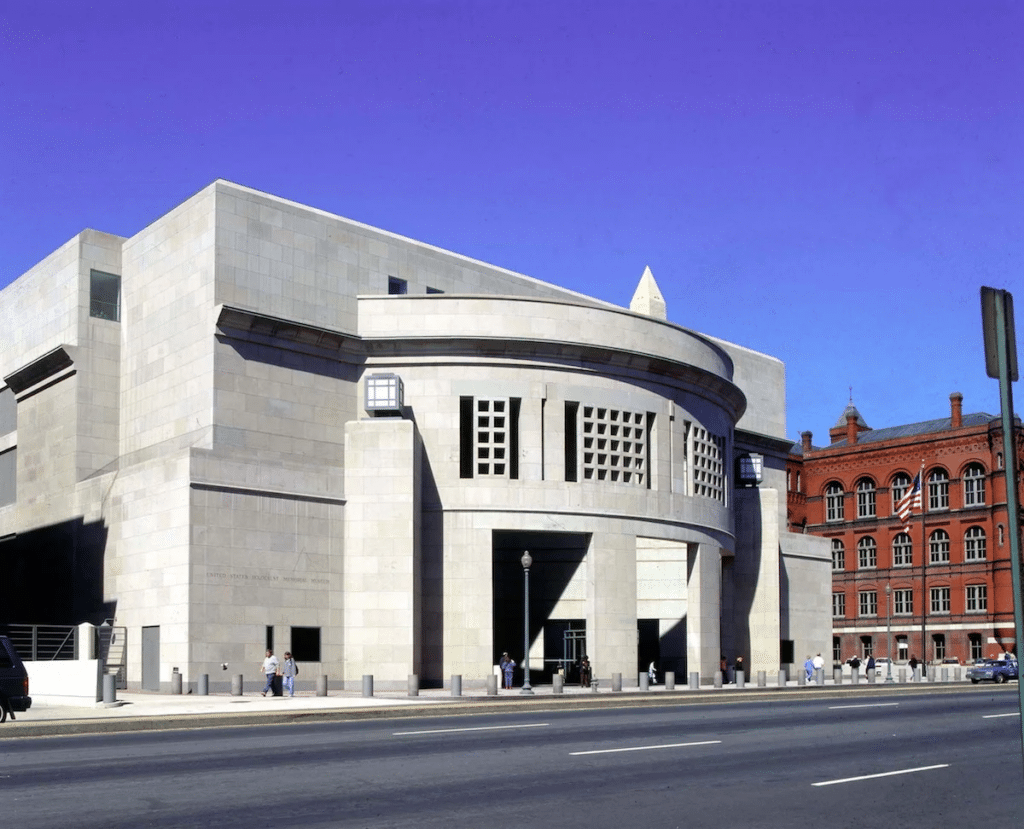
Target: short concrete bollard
x=616, y=682
x=670, y=680
x=956, y=674
x=492, y=685
x=694, y=683
x=819, y=676
x=837, y=676
x=557, y=684
x=903, y=674
x=762, y=679
x=643, y=681
x=801, y=678
x=367, y=685
x=203, y=686
x=870, y=675
x=236, y=685
x=109, y=689
x=717, y=679
x=593, y=686
x=855, y=677
x=740, y=679
x=413, y=684
x=321, y=685
x=175, y=681
x=456, y=685
x=783, y=678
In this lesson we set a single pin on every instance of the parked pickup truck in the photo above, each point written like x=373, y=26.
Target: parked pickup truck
x=13, y=681
x=996, y=670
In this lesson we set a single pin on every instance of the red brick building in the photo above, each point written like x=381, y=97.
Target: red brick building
x=941, y=589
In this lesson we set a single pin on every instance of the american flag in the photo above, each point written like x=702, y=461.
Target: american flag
x=909, y=502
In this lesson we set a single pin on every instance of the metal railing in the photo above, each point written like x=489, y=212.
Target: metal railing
x=44, y=643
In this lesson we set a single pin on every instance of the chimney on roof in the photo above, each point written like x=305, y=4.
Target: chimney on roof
x=851, y=429
x=956, y=410
x=805, y=441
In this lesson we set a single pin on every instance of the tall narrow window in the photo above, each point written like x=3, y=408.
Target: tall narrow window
x=974, y=486
x=938, y=490
x=838, y=605
x=868, y=600
x=975, y=641
x=974, y=544
x=898, y=488
x=867, y=553
x=865, y=498
x=105, y=296
x=902, y=602
x=902, y=551
x=572, y=411
x=938, y=547
x=939, y=600
x=838, y=554
x=834, y=502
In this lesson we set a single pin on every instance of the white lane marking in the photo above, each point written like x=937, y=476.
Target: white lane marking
x=872, y=705
x=478, y=728
x=883, y=774
x=993, y=716
x=642, y=748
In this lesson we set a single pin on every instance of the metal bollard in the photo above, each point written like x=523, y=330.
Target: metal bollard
x=616, y=682
x=175, y=681
x=321, y=685
x=643, y=681
x=740, y=679
x=203, y=686
x=694, y=683
x=456, y=685
x=109, y=689
x=718, y=679
x=762, y=679
x=413, y=684
x=236, y=685
x=670, y=680
x=367, y=685
x=557, y=683
x=492, y=685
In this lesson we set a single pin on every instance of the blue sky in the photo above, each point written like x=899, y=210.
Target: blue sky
x=829, y=183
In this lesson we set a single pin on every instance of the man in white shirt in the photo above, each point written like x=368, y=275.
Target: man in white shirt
x=819, y=664
x=270, y=665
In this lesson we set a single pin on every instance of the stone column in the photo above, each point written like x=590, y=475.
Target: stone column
x=703, y=612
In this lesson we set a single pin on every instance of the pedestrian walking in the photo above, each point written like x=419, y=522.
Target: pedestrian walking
x=289, y=670
x=270, y=667
x=584, y=671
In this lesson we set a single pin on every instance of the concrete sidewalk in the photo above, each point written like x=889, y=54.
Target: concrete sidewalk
x=182, y=708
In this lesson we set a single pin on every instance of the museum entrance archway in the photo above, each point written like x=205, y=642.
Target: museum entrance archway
x=558, y=598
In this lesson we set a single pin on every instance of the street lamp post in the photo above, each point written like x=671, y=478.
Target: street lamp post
x=526, y=561
x=888, y=631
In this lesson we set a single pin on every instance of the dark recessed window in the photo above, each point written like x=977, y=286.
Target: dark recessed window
x=306, y=644
x=105, y=296
x=397, y=286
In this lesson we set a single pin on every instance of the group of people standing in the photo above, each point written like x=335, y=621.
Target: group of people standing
x=286, y=669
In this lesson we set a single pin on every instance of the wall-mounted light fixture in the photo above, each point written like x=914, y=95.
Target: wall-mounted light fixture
x=750, y=470
x=385, y=395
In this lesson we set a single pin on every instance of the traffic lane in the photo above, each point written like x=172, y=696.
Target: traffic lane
x=444, y=773
x=881, y=723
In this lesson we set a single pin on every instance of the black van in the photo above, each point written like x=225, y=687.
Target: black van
x=13, y=681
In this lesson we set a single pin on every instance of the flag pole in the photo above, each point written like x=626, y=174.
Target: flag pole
x=924, y=576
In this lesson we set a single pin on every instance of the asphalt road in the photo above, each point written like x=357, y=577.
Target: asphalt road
x=912, y=761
